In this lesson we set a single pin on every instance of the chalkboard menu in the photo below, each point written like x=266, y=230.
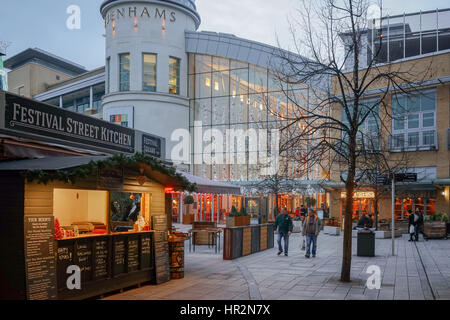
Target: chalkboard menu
x=159, y=223
x=100, y=258
x=161, y=257
x=65, y=259
x=84, y=259
x=146, y=253
x=133, y=254
x=40, y=258
x=119, y=256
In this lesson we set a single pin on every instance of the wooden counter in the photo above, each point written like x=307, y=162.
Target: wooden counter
x=107, y=262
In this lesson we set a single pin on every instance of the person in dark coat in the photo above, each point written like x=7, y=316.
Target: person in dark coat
x=418, y=217
x=411, y=223
x=285, y=226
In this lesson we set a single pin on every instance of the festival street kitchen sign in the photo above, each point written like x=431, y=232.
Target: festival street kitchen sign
x=34, y=119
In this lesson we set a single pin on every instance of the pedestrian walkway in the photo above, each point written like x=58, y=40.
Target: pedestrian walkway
x=418, y=271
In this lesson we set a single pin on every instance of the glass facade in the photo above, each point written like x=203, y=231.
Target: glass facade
x=124, y=72
x=149, y=72
x=409, y=35
x=174, y=75
x=228, y=94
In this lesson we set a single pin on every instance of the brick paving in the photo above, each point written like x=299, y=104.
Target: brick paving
x=418, y=271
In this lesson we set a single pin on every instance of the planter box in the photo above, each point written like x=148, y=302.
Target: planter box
x=238, y=221
x=435, y=229
x=381, y=234
x=334, y=231
x=188, y=218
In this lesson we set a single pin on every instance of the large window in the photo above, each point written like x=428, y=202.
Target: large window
x=174, y=75
x=227, y=95
x=149, y=72
x=124, y=72
x=414, y=121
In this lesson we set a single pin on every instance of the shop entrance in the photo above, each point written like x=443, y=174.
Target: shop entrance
x=363, y=203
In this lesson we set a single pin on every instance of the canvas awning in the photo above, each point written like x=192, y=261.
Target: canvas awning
x=212, y=187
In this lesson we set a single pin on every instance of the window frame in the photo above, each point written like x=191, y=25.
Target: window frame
x=155, y=69
x=178, y=76
x=403, y=145
x=120, y=72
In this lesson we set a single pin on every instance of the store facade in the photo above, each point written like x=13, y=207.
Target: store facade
x=103, y=216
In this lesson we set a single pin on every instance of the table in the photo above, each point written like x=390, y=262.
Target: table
x=211, y=233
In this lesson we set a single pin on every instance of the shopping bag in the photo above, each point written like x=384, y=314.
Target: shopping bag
x=412, y=229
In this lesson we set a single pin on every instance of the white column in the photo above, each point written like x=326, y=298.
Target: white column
x=91, y=97
x=60, y=101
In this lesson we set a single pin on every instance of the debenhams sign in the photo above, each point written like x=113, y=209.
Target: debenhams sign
x=38, y=119
x=139, y=12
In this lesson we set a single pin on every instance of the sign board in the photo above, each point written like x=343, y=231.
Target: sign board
x=406, y=177
x=110, y=179
x=33, y=119
x=151, y=145
x=40, y=260
x=360, y=195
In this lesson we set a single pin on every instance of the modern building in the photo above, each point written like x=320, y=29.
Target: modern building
x=161, y=74
x=418, y=46
x=34, y=70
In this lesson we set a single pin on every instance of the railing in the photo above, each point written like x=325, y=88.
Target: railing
x=422, y=141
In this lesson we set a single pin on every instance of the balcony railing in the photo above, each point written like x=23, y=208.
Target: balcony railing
x=414, y=141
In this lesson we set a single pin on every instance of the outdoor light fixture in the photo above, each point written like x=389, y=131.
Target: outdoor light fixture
x=113, y=27
x=135, y=23
x=208, y=82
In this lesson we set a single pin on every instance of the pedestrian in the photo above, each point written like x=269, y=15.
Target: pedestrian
x=418, y=218
x=285, y=227
x=411, y=226
x=311, y=229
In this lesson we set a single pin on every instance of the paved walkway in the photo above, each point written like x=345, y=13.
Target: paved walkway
x=419, y=271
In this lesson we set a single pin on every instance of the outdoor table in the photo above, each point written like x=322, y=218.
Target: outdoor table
x=211, y=234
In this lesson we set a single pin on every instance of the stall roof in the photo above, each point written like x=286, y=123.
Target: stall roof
x=49, y=163
x=154, y=168
x=209, y=186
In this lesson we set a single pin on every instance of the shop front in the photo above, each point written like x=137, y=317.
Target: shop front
x=212, y=202
x=99, y=220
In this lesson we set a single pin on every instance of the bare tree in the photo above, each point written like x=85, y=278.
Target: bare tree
x=343, y=120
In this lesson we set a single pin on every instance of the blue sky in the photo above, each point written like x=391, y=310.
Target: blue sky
x=42, y=23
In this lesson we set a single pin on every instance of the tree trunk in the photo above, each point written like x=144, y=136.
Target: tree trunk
x=348, y=216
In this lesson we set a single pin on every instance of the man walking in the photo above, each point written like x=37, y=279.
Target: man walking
x=311, y=229
x=285, y=227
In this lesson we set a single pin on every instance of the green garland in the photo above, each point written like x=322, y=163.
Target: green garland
x=119, y=160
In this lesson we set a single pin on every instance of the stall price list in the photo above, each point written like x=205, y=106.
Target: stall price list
x=40, y=258
x=133, y=255
x=101, y=259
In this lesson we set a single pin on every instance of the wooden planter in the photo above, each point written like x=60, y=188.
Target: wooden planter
x=238, y=221
x=435, y=229
x=188, y=218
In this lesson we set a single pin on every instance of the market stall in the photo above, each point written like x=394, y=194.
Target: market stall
x=102, y=216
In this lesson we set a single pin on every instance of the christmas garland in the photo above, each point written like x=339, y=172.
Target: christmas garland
x=120, y=160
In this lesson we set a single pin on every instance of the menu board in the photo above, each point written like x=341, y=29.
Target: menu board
x=159, y=223
x=161, y=257
x=64, y=260
x=40, y=258
x=133, y=254
x=84, y=259
x=100, y=259
x=119, y=256
x=146, y=253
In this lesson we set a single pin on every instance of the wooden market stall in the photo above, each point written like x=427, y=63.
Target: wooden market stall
x=103, y=215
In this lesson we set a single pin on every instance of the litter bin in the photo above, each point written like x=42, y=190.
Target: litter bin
x=366, y=243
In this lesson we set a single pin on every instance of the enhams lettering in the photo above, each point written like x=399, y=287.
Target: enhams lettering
x=143, y=12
